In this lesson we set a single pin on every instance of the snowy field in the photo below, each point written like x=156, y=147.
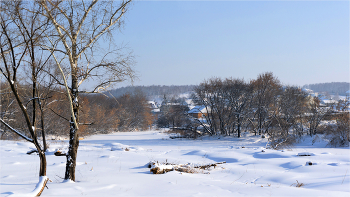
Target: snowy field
x=105, y=168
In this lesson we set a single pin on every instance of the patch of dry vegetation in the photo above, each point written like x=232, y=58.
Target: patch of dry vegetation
x=297, y=184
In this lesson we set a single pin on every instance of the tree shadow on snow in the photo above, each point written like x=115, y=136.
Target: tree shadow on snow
x=290, y=165
x=263, y=155
x=141, y=167
x=209, y=156
x=8, y=193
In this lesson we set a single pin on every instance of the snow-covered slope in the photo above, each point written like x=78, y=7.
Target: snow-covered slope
x=116, y=165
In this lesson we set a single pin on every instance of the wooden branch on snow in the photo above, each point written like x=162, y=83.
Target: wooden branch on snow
x=40, y=186
x=59, y=153
x=43, y=187
x=32, y=151
x=209, y=165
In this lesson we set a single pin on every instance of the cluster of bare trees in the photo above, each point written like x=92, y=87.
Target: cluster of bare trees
x=338, y=133
x=134, y=112
x=98, y=113
x=57, y=45
x=130, y=112
x=226, y=102
x=262, y=106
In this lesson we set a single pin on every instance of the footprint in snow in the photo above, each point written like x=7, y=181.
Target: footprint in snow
x=107, y=156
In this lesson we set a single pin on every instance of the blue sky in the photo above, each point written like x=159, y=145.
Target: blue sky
x=185, y=42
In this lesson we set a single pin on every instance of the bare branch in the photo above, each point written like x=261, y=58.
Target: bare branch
x=17, y=132
x=59, y=115
x=112, y=21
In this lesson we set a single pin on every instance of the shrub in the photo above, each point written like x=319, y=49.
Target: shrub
x=338, y=134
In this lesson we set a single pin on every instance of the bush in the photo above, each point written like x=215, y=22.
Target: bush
x=338, y=134
x=281, y=140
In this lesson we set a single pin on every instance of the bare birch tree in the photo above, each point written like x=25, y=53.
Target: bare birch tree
x=80, y=26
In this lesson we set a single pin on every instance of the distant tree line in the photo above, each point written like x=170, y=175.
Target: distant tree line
x=154, y=90
x=262, y=106
x=334, y=88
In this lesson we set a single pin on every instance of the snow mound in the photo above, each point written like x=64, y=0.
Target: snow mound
x=37, y=191
x=122, y=147
x=116, y=148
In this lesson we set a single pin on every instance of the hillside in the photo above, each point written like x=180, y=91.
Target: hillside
x=153, y=91
x=332, y=88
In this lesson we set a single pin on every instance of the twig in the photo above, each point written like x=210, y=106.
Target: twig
x=344, y=177
x=238, y=178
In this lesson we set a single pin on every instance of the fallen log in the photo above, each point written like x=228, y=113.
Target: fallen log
x=161, y=168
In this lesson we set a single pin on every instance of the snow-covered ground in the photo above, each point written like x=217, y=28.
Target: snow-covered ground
x=104, y=168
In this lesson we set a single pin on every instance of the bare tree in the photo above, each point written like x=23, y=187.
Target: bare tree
x=239, y=95
x=79, y=27
x=287, y=116
x=292, y=107
x=266, y=90
x=315, y=114
x=205, y=96
x=339, y=134
x=219, y=107
x=21, y=32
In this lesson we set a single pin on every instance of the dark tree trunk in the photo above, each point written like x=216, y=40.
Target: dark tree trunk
x=42, y=156
x=43, y=128
x=260, y=122
x=71, y=159
x=238, y=126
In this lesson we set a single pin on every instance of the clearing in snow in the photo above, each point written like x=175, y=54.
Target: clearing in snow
x=117, y=165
